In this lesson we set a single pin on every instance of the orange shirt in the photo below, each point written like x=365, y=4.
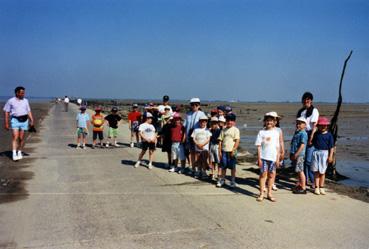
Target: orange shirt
x=98, y=122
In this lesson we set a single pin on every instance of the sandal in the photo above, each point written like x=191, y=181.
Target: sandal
x=260, y=198
x=272, y=199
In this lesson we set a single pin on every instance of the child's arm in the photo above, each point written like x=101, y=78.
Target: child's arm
x=281, y=146
x=260, y=164
x=235, y=147
x=205, y=143
x=220, y=149
x=330, y=157
x=297, y=153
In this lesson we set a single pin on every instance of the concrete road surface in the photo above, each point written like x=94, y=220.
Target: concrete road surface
x=97, y=199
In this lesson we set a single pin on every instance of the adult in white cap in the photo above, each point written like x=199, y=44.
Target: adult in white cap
x=18, y=114
x=192, y=122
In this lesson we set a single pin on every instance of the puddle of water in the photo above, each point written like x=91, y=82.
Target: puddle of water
x=356, y=171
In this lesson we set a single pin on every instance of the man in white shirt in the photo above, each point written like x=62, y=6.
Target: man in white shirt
x=66, y=103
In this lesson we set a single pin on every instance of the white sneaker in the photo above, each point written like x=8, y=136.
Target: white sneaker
x=220, y=183
x=84, y=146
x=132, y=145
x=107, y=145
x=322, y=191
x=172, y=170
x=150, y=165
x=274, y=187
x=233, y=184
x=20, y=155
x=317, y=191
x=137, y=164
x=15, y=157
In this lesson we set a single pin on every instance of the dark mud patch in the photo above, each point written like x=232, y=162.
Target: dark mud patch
x=13, y=175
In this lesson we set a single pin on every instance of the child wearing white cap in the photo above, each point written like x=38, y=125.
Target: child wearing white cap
x=149, y=138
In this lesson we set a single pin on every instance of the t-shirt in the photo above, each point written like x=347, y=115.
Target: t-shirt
x=269, y=142
x=192, y=122
x=17, y=107
x=113, y=120
x=66, y=100
x=134, y=116
x=323, y=141
x=200, y=136
x=98, y=122
x=79, y=101
x=215, y=133
x=177, y=132
x=161, y=108
x=82, y=119
x=147, y=130
x=312, y=119
x=228, y=137
x=300, y=137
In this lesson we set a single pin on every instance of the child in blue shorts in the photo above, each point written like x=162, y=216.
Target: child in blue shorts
x=267, y=142
x=229, y=140
x=82, y=127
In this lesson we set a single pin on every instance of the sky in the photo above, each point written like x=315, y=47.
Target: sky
x=211, y=49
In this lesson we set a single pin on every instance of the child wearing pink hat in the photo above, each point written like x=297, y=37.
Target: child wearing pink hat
x=322, y=155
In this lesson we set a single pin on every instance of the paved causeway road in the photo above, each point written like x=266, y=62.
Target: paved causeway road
x=96, y=199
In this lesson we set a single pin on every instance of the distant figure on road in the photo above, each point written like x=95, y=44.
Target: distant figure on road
x=66, y=103
x=79, y=101
x=18, y=112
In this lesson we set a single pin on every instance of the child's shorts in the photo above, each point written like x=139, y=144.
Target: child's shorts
x=177, y=151
x=113, y=132
x=16, y=125
x=268, y=166
x=228, y=161
x=298, y=164
x=134, y=126
x=96, y=134
x=81, y=132
x=214, y=153
x=147, y=145
x=202, y=157
x=319, y=161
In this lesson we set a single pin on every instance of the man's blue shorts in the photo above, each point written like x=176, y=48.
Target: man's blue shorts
x=16, y=125
x=228, y=161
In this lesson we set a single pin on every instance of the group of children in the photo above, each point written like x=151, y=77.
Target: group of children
x=97, y=121
x=212, y=143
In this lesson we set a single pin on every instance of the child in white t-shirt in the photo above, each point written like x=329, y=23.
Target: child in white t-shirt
x=149, y=138
x=267, y=142
x=201, y=137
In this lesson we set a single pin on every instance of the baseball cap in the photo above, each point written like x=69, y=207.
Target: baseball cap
x=134, y=105
x=221, y=107
x=165, y=98
x=114, y=109
x=231, y=117
x=302, y=119
x=221, y=119
x=148, y=115
x=227, y=108
x=323, y=121
x=195, y=100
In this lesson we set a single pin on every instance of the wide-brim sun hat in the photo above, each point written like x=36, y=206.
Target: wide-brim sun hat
x=203, y=117
x=271, y=114
x=194, y=100
x=222, y=119
x=302, y=119
x=214, y=119
x=323, y=121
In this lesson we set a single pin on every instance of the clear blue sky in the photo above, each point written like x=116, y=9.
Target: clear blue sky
x=245, y=50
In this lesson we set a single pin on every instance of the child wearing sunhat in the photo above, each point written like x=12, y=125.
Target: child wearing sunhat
x=323, y=154
x=267, y=142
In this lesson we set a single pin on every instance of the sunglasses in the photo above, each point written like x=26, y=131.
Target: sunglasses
x=195, y=104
